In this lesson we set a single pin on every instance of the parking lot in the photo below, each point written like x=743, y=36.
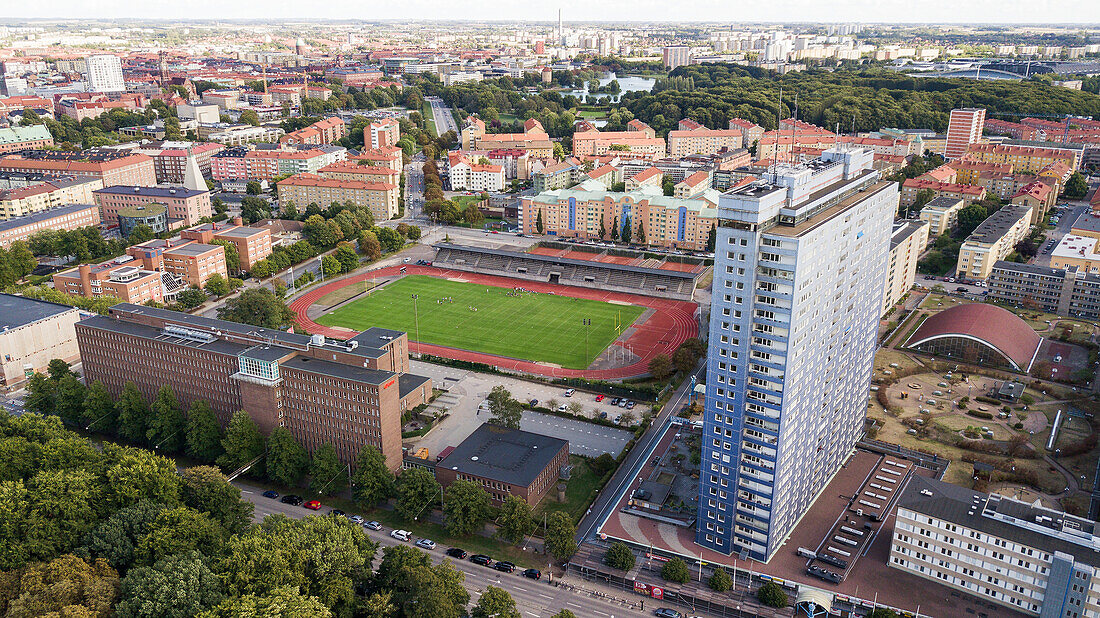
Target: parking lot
x=468, y=389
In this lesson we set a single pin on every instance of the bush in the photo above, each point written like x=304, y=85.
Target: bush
x=602, y=464
x=979, y=414
x=720, y=581
x=989, y=400
x=619, y=557
x=772, y=595
x=676, y=570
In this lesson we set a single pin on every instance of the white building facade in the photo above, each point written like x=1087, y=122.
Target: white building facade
x=105, y=73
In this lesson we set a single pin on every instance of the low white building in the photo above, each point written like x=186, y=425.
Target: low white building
x=469, y=176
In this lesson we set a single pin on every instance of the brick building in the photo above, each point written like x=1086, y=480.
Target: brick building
x=385, y=132
x=23, y=194
x=324, y=131
x=380, y=197
x=347, y=394
x=184, y=205
x=112, y=167
x=21, y=138
x=253, y=243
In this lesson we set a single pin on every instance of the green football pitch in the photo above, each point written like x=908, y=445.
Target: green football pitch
x=469, y=316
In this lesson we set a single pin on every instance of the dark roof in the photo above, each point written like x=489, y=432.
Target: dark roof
x=1035, y=269
x=276, y=336
x=148, y=332
x=996, y=327
x=16, y=311
x=903, y=230
x=266, y=353
x=983, y=512
x=998, y=223
x=408, y=383
x=510, y=456
x=674, y=274
x=376, y=337
x=44, y=215
x=180, y=192
x=337, y=370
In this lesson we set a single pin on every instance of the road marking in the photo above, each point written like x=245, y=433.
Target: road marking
x=573, y=604
x=545, y=596
x=518, y=588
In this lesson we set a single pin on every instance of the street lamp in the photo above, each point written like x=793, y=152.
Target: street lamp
x=416, y=317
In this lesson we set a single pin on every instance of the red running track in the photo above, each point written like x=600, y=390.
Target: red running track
x=672, y=322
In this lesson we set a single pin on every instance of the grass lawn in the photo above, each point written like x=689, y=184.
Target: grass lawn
x=339, y=296
x=581, y=484
x=465, y=201
x=539, y=327
x=429, y=118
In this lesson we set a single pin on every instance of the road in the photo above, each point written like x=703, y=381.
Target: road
x=534, y=598
x=1068, y=215
x=441, y=114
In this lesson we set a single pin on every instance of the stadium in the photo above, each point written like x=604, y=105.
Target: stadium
x=555, y=310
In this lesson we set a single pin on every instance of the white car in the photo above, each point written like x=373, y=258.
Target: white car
x=401, y=535
x=426, y=544
x=569, y=392
x=355, y=519
x=372, y=525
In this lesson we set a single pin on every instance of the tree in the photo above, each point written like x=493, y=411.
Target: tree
x=923, y=197
x=389, y=239
x=538, y=223
x=326, y=474
x=432, y=592
x=41, y=394
x=179, y=530
x=134, y=474
x=495, y=603
x=191, y=297
x=346, y=257
x=564, y=614
x=206, y=489
x=140, y=233
x=258, y=307
x=661, y=366
x=772, y=595
x=217, y=285
x=601, y=465
x=167, y=428
x=416, y=489
x=504, y=410
x=287, y=460
x=70, y=398
x=369, y=245
x=882, y=612
x=285, y=602
x=676, y=570
x=720, y=580
x=1076, y=186
x=625, y=234
x=20, y=259
x=619, y=557
x=413, y=233
x=465, y=509
x=559, y=535
x=178, y=586
x=132, y=413
x=116, y=538
x=253, y=188
x=372, y=482
x=66, y=586
x=204, y=433
x=99, y=408
x=242, y=443
x=330, y=266
x=515, y=521
x=250, y=117
x=712, y=239
x=969, y=218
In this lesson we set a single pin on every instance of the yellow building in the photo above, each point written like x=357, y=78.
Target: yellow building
x=303, y=189
x=993, y=240
x=25, y=198
x=941, y=214
x=908, y=240
x=1026, y=159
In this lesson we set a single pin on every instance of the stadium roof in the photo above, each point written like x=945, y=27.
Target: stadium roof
x=675, y=274
x=993, y=326
x=510, y=456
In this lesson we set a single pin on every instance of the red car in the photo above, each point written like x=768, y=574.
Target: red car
x=599, y=397
x=313, y=505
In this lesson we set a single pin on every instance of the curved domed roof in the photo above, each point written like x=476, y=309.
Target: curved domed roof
x=998, y=328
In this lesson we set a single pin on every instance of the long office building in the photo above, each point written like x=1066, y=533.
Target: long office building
x=798, y=287
x=1025, y=557
x=71, y=217
x=1069, y=291
x=112, y=167
x=345, y=393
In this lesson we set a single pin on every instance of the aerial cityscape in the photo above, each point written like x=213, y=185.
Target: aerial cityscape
x=768, y=316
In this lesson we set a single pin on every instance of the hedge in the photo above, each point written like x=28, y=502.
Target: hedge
x=979, y=414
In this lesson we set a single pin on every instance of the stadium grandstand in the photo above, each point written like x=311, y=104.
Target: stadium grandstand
x=616, y=270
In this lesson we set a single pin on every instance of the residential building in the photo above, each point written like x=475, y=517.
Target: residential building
x=104, y=73
x=1024, y=159
x=224, y=99
x=354, y=170
x=751, y=132
x=607, y=175
x=649, y=177
x=324, y=131
x=1040, y=196
x=703, y=141
x=676, y=56
x=560, y=175
x=1016, y=130
x=111, y=167
x=32, y=333
x=21, y=138
x=534, y=139
x=993, y=240
x=941, y=214
x=387, y=156
x=23, y=194
x=639, y=141
x=969, y=171
x=83, y=105
x=267, y=164
x=798, y=280
x=1068, y=291
x=253, y=243
x=69, y=217
x=913, y=186
x=506, y=462
x=185, y=206
x=692, y=185
x=907, y=242
x=466, y=175
x=236, y=135
x=170, y=158
x=964, y=128
x=385, y=132
x=348, y=394
x=1019, y=555
x=1004, y=186
x=380, y=197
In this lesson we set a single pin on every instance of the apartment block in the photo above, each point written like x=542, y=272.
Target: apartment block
x=170, y=158
x=692, y=185
x=638, y=142
x=560, y=175
x=907, y=241
x=32, y=333
x=385, y=132
x=253, y=243
x=912, y=186
x=1018, y=555
x=1024, y=159
x=590, y=211
x=1068, y=291
x=964, y=128
x=993, y=240
x=750, y=131
x=110, y=167
x=324, y=131
x=533, y=140
x=968, y=171
x=237, y=135
x=380, y=197
x=676, y=56
x=23, y=194
x=354, y=170
x=703, y=141
x=21, y=138
x=1039, y=195
x=70, y=217
x=798, y=292
x=265, y=164
x=387, y=156
x=466, y=175
x=185, y=206
x=941, y=214
x=104, y=73
x=83, y=105
x=649, y=177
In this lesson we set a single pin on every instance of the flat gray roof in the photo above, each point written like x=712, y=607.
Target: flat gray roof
x=337, y=370
x=16, y=311
x=510, y=456
x=998, y=223
x=148, y=332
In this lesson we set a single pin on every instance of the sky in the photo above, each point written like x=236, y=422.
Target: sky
x=875, y=11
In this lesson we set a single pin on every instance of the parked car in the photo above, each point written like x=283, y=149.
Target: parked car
x=455, y=552
x=630, y=405
x=292, y=500
x=664, y=612
x=401, y=535
x=603, y=414
x=336, y=513
x=563, y=408
x=599, y=397
x=614, y=401
x=533, y=573
x=505, y=566
x=533, y=402
x=569, y=392
x=622, y=403
x=426, y=544
x=313, y=505
x=481, y=559
x=372, y=525
x=356, y=519
x=271, y=493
